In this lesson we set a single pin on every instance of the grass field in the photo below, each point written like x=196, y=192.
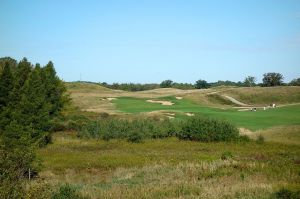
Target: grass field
x=170, y=168
x=288, y=115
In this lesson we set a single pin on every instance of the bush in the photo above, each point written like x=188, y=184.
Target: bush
x=205, y=129
x=67, y=192
x=260, y=139
x=287, y=194
x=226, y=155
x=134, y=130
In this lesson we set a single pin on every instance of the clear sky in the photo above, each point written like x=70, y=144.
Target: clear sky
x=152, y=40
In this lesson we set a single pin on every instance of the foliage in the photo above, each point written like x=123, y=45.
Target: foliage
x=295, y=82
x=130, y=86
x=17, y=156
x=200, y=84
x=30, y=99
x=133, y=130
x=166, y=84
x=272, y=79
x=67, y=192
x=8, y=60
x=205, y=129
x=6, y=86
x=285, y=193
x=249, y=81
x=226, y=155
x=260, y=139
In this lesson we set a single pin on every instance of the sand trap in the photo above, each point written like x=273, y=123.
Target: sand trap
x=170, y=114
x=190, y=114
x=170, y=117
x=164, y=103
x=111, y=98
x=179, y=98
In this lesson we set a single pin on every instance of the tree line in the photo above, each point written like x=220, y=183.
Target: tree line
x=269, y=80
x=31, y=97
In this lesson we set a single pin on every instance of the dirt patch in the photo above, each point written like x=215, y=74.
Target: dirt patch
x=179, y=98
x=164, y=103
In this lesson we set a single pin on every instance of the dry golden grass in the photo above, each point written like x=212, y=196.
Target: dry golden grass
x=168, y=168
x=281, y=134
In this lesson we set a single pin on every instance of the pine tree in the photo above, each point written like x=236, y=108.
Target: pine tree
x=34, y=108
x=54, y=88
x=6, y=86
x=21, y=75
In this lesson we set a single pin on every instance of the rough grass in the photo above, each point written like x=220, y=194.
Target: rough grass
x=169, y=168
x=266, y=95
x=281, y=134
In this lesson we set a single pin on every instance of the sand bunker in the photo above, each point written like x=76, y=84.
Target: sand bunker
x=170, y=114
x=164, y=103
x=111, y=98
x=170, y=117
x=190, y=114
x=179, y=98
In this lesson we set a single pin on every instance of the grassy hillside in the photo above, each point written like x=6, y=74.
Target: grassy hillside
x=266, y=95
x=209, y=102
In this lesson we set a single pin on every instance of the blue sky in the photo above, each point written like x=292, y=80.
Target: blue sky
x=152, y=40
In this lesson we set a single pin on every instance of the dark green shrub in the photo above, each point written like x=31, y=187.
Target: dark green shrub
x=135, y=137
x=260, y=139
x=285, y=193
x=243, y=138
x=226, y=155
x=205, y=129
x=67, y=192
x=134, y=130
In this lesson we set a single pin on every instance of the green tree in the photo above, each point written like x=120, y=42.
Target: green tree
x=6, y=86
x=34, y=107
x=11, y=62
x=22, y=73
x=54, y=89
x=295, y=82
x=201, y=84
x=249, y=81
x=272, y=79
x=166, y=84
x=17, y=156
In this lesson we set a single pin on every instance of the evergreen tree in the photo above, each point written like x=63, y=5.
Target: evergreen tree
x=6, y=86
x=54, y=89
x=21, y=75
x=34, y=108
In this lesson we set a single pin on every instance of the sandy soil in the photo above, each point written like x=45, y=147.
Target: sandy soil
x=190, y=114
x=164, y=103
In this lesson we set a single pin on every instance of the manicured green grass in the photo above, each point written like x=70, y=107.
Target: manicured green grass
x=170, y=168
x=289, y=115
